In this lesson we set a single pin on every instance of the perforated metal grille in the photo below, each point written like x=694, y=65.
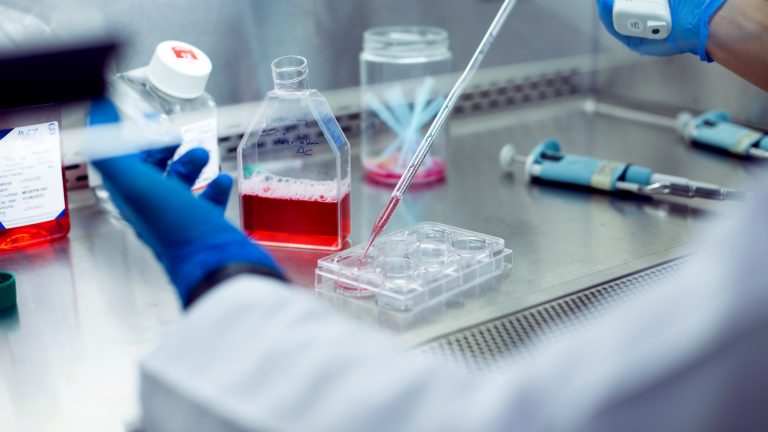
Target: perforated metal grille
x=521, y=91
x=501, y=343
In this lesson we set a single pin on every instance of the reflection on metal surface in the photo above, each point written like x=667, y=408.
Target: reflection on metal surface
x=89, y=307
x=630, y=206
x=299, y=264
x=691, y=190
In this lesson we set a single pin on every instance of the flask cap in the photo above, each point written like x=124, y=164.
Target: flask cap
x=7, y=290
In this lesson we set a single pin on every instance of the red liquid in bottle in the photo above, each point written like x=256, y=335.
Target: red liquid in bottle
x=293, y=222
x=37, y=234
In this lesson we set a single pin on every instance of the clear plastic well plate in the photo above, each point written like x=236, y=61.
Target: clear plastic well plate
x=414, y=266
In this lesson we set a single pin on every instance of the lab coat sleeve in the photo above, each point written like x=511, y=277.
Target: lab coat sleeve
x=256, y=354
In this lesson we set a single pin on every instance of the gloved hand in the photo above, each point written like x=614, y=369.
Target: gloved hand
x=187, y=169
x=690, y=28
x=188, y=235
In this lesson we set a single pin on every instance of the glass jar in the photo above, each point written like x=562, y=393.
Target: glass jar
x=401, y=94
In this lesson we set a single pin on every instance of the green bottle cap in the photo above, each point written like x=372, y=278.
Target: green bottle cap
x=7, y=290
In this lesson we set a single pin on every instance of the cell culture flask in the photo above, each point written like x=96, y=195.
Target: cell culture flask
x=33, y=197
x=294, y=166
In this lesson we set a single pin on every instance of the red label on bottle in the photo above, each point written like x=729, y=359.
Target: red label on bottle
x=184, y=53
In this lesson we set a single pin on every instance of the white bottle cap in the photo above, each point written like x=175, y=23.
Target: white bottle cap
x=179, y=69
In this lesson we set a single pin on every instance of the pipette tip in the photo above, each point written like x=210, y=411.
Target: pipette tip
x=382, y=221
x=368, y=245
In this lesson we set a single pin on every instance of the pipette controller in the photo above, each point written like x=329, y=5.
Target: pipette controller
x=714, y=129
x=649, y=19
x=547, y=162
x=439, y=122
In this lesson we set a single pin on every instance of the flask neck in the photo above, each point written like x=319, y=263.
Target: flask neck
x=289, y=73
x=297, y=85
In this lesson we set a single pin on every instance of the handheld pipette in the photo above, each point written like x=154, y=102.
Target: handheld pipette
x=716, y=130
x=547, y=162
x=713, y=130
x=439, y=122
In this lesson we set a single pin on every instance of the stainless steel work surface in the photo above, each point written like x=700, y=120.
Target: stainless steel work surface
x=90, y=306
x=563, y=239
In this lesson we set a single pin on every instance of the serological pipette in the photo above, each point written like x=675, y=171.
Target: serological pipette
x=547, y=162
x=439, y=122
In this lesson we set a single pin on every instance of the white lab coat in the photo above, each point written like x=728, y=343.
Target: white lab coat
x=692, y=354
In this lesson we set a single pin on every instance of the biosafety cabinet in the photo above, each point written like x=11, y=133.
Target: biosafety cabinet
x=90, y=306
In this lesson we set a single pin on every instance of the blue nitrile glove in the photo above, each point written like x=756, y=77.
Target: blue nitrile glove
x=187, y=169
x=690, y=28
x=188, y=235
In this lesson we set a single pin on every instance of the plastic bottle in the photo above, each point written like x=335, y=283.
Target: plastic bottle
x=294, y=166
x=171, y=90
x=33, y=198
